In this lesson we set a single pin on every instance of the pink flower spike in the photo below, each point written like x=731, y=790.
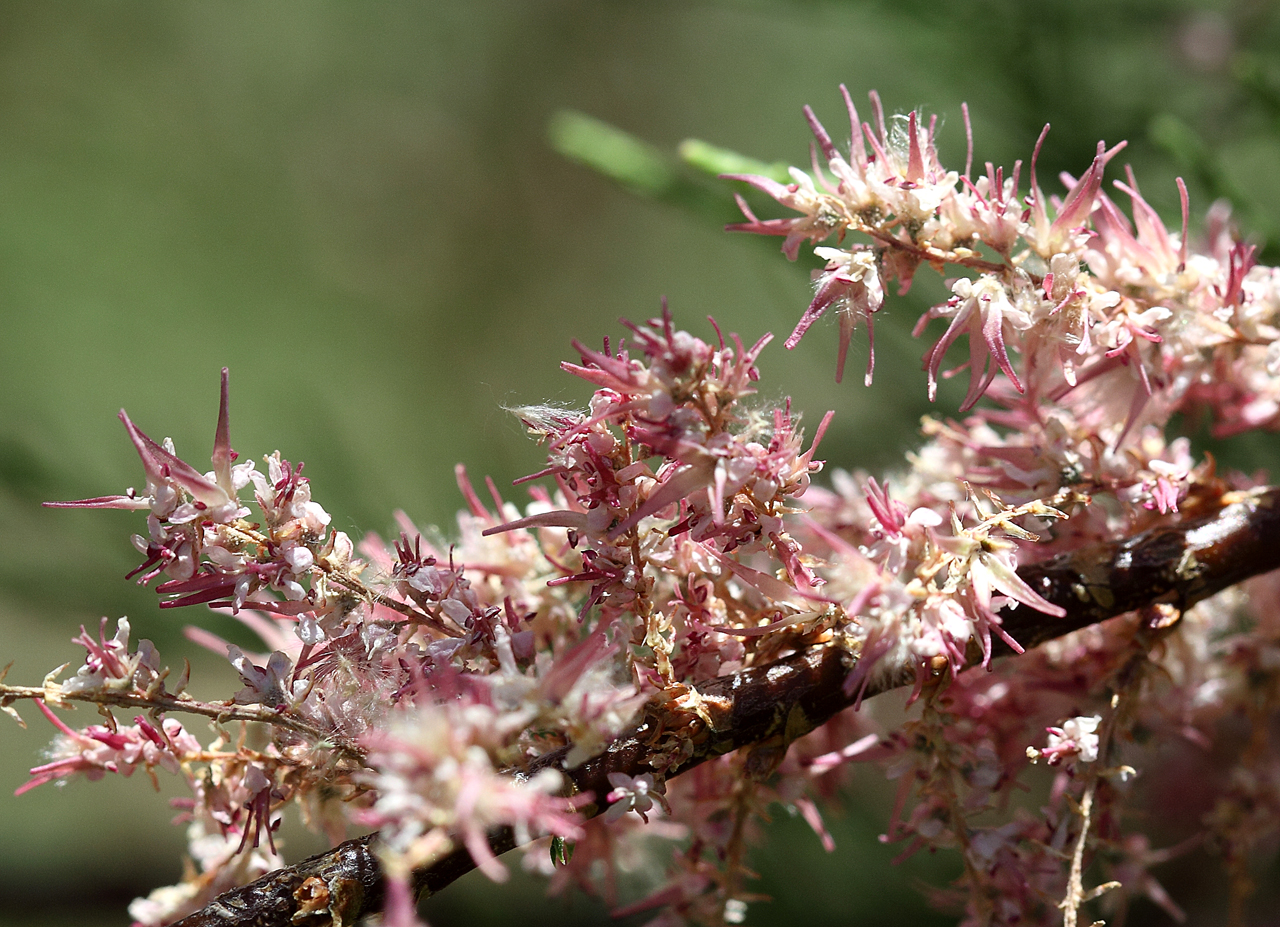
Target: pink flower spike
x=1182, y=199
x=778, y=191
x=982, y=308
x=879, y=150
x=782, y=227
x=559, y=519
x=131, y=503
x=1082, y=197
x=1240, y=261
x=877, y=108
x=222, y=452
x=54, y=719
x=891, y=515
x=769, y=586
x=569, y=667
x=1150, y=229
x=204, y=587
x=162, y=467
x=680, y=484
x=857, y=151
x=474, y=505
x=968, y=136
x=1004, y=578
x=98, y=750
x=1039, y=214
x=915, y=160
x=1035, y=157
x=851, y=283
x=818, y=435
x=824, y=140
x=854, y=751
x=809, y=811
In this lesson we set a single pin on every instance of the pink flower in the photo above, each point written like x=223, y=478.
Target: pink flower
x=983, y=310
x=109, y=665
x=851, y=283
x=635, y=793
x=268, y=685
x=97, y=750
x=433, y=777
x=1066, y=231
x=1077, y=739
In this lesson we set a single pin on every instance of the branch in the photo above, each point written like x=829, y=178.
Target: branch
x=769, y=706
x=164, y=702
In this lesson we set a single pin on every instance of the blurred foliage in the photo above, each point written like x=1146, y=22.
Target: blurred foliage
x=356, y=209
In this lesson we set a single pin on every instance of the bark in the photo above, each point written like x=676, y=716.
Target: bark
x=770, y=706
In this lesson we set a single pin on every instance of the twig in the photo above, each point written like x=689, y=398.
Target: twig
x=1178, y=564
x=164, y=702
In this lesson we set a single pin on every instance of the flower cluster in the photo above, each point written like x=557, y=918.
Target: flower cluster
x=1087, y=333
x=437, y=780
x=97, y=750
x=110, y=665
x=198, y=535
x=676, y=547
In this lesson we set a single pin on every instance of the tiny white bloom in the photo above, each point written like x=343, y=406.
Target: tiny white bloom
x=1076, y=736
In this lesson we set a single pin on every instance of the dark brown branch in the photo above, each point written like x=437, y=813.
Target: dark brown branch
x=1178, y=564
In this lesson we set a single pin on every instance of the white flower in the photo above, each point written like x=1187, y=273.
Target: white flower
x=636, y=794
x=1077, y=739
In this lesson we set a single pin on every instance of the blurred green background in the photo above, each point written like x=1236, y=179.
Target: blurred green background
x=357, y=209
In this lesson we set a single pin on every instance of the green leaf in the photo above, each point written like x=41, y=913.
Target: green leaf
x=611, y=151
x=561, y=851
x=715, y=161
